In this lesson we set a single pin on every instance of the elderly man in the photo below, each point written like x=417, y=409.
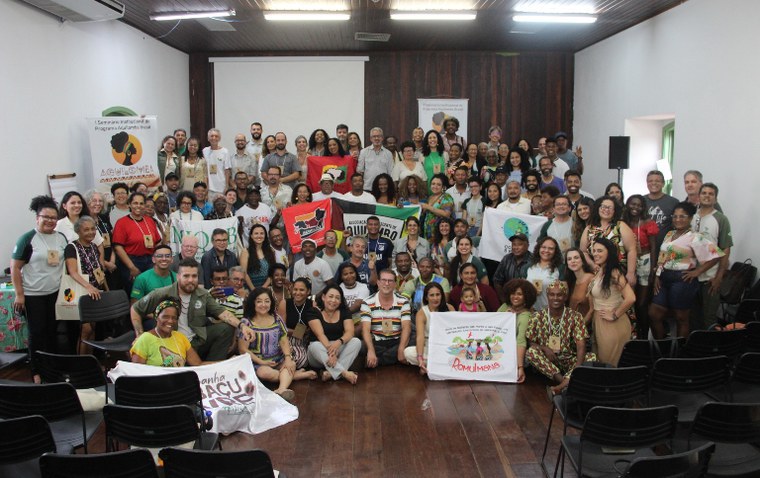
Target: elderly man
x=187, y=250
x=557, y=337
x=218, y=255
x=210, y=340
x=375, y=159
x=217, y=163
x=386, y=323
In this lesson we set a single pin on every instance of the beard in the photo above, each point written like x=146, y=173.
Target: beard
x=256, y=136
x=280, y=147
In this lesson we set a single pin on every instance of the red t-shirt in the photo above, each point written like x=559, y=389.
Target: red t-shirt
x=649, y=228
x=129, y=234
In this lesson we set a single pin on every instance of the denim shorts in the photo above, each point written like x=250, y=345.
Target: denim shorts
x=675, y=293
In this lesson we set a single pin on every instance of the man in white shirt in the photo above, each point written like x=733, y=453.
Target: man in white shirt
x=459, y=191
x=514, y=202
x=243, y=161
x=217, y=163
x=275, y=195
x=326, y=188
x=317, y=270
x=254, y=212
x=376, y=159
x=357, y=192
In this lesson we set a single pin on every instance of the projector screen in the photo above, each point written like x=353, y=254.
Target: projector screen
x=295, y=95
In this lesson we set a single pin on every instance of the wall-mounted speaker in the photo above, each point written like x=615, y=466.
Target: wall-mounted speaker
x=620, y=149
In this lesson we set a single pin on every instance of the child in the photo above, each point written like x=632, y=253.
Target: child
x=469, y=301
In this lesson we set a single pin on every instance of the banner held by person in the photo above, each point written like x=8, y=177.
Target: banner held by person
x=307, y=221
x=231, y=391
x=499, y=226
x=352, y=216
x=203, y=230
x=472, y=346
x=123, y=149
x=340, y=168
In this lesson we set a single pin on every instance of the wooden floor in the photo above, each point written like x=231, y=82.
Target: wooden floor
x=396, y=423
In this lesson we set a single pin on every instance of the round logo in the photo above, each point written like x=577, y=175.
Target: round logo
x=126, y=149
x=514, y=225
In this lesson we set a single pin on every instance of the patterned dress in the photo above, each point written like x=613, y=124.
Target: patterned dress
x=445, y=203
x=569, y=328
x=266, y=340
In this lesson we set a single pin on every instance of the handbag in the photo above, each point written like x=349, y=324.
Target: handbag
x=67, y=303
x=736, y=281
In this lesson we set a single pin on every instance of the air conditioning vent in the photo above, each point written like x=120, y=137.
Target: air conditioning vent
x=81, y=10
x=366, y=36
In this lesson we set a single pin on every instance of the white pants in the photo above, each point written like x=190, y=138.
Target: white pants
x=410, y=353
x=317, y=356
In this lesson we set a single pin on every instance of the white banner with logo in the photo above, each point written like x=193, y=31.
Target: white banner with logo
x=433, y=112
x=231, y=391
x=499, y=226
x=473, y=346
x=203, y=230
x=124, y=149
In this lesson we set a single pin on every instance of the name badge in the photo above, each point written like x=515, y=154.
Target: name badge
x=539, y=285
x=100, y=277
x=387, y=326
x=212, y=168
x=436, y=169
x=554, y=343
x=148, y=240
x=53, y=257
x=299, y=331
x=106, y=239
x=191, y=173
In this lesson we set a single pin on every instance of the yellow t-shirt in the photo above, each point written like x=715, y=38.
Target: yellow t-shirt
x=170, y=352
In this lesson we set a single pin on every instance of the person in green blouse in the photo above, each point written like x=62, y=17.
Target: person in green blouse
x=434, y=158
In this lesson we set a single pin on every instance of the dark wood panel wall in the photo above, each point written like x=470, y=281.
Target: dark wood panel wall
x=529, y=94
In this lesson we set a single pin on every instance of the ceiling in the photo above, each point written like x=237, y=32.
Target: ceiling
x=493, y=30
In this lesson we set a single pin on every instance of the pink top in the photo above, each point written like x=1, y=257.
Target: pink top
x=685, y=251
x=463, y=307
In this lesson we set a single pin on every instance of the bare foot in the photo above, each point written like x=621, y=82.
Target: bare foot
x=309, y=374
x=350, y=377
x=326, y=377
x=557, y=389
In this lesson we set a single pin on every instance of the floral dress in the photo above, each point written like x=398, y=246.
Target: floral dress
x=445, y=203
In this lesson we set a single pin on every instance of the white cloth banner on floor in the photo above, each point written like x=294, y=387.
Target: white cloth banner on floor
x=473, y=346
x=434, y=111
x=231, y=391
x=123, y=149
x=499, y=226
x=203, y=230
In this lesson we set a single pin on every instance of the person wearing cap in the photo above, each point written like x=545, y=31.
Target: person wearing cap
x=171, y=189
x=547, y=175
x=500, y=177
x=254, y=212
x=326, y=183
x=218, y=255
x=574, y=159
x=514, y=202
x=220, y=210
x=315, y=269
x=559, y=166
x=512, y=266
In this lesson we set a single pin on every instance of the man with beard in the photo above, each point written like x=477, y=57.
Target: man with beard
x=180, y=136
x=256, y=144
x=573, y=159
x=514, y=202
x=574, y=183
x=378, y=247
x=243, y=161
x=254, y=212
x=317, y=270
x=282, y=253
x=557, y=337
x=530, y=181
x=171, y=183
x=287, y=163
x=512, y=266
x=341, y=132
x=210, y=340
x=450, y=137
x=560, y=226
x=547, y=176
x=374, y=159
x=241, y=190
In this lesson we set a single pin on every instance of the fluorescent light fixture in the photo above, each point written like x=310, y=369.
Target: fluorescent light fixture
x=542, y=6
x=306, y=16
x=192, y=15
x=540, y=18
x=433, y=15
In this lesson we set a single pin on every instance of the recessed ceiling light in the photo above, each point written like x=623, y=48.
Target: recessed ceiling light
x=191, y=15
x=540, y=18
x=306, y=16
x=433, y=15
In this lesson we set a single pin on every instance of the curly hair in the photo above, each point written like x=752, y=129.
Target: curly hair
x=528, y=289
x=556, y=260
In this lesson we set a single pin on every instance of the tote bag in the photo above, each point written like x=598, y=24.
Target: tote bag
x=67, y=303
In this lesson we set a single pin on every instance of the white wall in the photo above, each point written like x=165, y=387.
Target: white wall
x=699, y=63
x=54, y=75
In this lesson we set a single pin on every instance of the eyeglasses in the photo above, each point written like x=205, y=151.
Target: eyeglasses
x=607, y=208
x=162, y=256
x=387, y=281
x=47, y=218
x=187, y=203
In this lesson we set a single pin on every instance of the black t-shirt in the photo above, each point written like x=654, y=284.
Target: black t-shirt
x=291, y=313
x=332, y=331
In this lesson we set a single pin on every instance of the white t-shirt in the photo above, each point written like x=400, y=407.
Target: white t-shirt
x=318, y=272
x=522, y=206
x=261, y=215
x=319, y=195
x=217, y=161
x=360, y=291
x=365, y=198
x=459, y=198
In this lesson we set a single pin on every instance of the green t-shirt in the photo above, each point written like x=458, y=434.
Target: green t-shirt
x=149, y=281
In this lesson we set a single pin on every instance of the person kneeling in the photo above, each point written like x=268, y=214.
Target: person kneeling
x=269, y=348
x=557, y=336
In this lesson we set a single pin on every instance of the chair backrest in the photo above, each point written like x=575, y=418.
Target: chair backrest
x=54, y=401
x=82, y=371
x=181, y=388
x=639, y=352
x=607, y=386
x=752, y=339
x=748, y=369
x=630, y=427
x=710, y=343
x=183, y=463
x=723, y=422
x=690, y=374
x=689, y=464
x=24, y=438
x=150, y=427
x=111, y=305
x=136, y=463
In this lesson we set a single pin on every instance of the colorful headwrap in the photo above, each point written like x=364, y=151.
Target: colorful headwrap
x=560, y=284
x=165, y=304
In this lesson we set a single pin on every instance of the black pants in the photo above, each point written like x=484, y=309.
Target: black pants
x=40, y=318
x=386, y=351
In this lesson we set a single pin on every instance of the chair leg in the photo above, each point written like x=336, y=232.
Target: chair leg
x=548, y=433
x=560, y=456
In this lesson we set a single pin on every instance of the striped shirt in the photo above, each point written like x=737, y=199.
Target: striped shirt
x=376, y=315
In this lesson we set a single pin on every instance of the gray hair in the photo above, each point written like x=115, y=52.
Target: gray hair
x=234, y=269
x=693, y=172
x=376, y=128
x=79, y=222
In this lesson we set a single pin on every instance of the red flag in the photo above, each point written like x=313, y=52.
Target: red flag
x=307, y=221
x=341, y=168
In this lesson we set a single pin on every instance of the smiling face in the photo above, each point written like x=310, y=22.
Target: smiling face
x=574, y=261
x=333, y=147
x=635, y=206
x=583, y=211
x=547, y=250
x=73, y=206
x=444, y=228
x=469, y=275
x=331, y=299
x=300, y=292
x=301, y=145
x=493, y=192
x=96, y=204
x=692, y=184
x=432, y=140
x=599, y=253
x=137, y=205
x=681, y=219
x=434, y=298
x=263, y=304
x=302, y=193
x=436, y=186
x=464, y=247
x=557, y=297
x=655, y=183
x=517, y=298
x=270, y=143
x=87, y=231
x=167, y=321
x=607, y=210
x=348, y=276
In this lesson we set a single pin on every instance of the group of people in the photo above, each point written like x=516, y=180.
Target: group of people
x=601, y=272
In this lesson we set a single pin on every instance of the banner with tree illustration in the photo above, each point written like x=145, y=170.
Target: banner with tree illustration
x=472, y=346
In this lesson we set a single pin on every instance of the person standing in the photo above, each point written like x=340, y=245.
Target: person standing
x=280, y=158
x=218, y=163
x=659, y=204
x=376, y=159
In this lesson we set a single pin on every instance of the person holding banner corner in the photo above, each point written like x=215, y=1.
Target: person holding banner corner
x=434, y=300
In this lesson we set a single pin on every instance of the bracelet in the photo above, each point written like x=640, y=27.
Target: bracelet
x=341, y=341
